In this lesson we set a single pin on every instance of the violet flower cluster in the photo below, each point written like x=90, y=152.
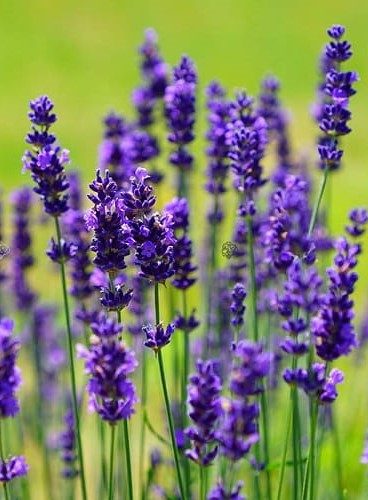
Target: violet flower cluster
x=108, y=363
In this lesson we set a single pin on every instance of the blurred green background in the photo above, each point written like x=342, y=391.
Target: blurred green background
x=83, y=55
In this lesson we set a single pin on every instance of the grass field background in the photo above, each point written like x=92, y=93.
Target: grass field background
x=83, y=55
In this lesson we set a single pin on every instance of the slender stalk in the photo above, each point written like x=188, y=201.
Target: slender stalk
x=309, y=477
x=112, y=454
x=103, y=477
x=128, y=460
x=264, y=413
x=317, y=204
x=202, y=483
x=253, y=285
x=184, y=390
x=71, y=365
x=284, y=453
x=338, y=465
x=143, y=422
x=2, y=456
x=167, y=402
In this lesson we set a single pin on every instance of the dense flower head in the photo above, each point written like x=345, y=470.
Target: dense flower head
x=144, y=103
x=63, y=252
x=139, y=200
x=111, y=239
x=10, y=378
x=237, y=306
x=80, y=265
x=116, y=298
x=335, y=92
x=154, y=243
x=112, y=155
x=204, y=410
x=358, y=219
x=180, y=106
x=75, y=190
x=315, y=381
x=12, y=468
x=251, y=365
x=178, y=208
x=247, y=139
x=238, y=429
x=109, y=362
x=41, y=112
x=153, y=68
x=22, y=257
x=217, y=150
x=220, y=492
x=67, y=444
x=332, y=326
x=187, y=324
x=158, y=336
x=139, y=147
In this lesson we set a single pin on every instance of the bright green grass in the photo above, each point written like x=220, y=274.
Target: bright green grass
x=83, y=54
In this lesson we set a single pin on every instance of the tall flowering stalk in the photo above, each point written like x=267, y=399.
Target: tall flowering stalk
x=332, y=113
x=46, y=162
x=180, y=101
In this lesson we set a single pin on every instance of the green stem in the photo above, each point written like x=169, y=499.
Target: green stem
x=71, y=364
x=335, y=434
x=184, y=390
x=2, y=455
x=284, y=453
x=103, y=477
x=264, y=422
x=128, y=460
x=167, y=402
x=252, y=272
x=202, y=483
x=112, y=454
x=143, y=422
x=309, y=477
x=314, y=216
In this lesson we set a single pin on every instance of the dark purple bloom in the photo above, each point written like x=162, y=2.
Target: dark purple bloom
x=219, y=492
x=108, y=362
x=315, y=382
x=237, y=306
x=250, y=367
x=12, y=468
x=158, y=336
x=139, y=200
x=205, y=408
x=358, y=220
x=247, y=138
x=117, y=298
x=154, y=69
x=139, y=147
x=180, y=113
x=217, y=150
x=332, y=326
x=22, y=257
x=67, y=444
x=75, y=190
x=187, y=324
x=178, y=208
x=45, y=160
x=238, y=430
x=10, y=378
x=61, y=253
x=154, y=243
x=111, y=152
x=333, y=114
x=111, y=238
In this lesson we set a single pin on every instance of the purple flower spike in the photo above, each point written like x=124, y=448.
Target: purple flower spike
x=157, y=336
x=61, y=253
x=205, y=409
x=67, y=444
x=10, y=378
x=358, y=220
x=12, y=468
x=237, y=306
x=219, y=492
x=108, y=362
